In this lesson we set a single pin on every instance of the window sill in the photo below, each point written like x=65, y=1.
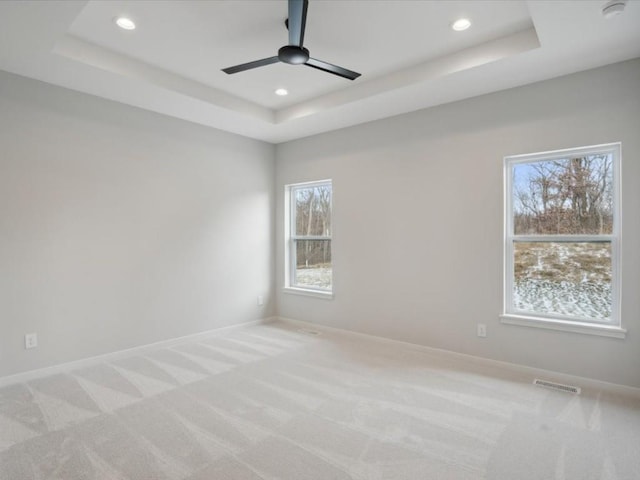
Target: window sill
x=565, y=325
x=309, y=293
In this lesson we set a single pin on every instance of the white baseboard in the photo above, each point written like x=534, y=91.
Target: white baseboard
x=108, y=357
x=566, y=378
x=583, y=382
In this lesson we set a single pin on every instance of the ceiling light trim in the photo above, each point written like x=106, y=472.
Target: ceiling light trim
x=125, y=23
x=461, y=24
x=613, y=8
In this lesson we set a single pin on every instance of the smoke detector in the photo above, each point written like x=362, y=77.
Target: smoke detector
x=613, y=8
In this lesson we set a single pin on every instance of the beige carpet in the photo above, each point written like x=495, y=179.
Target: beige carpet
x=271, y=402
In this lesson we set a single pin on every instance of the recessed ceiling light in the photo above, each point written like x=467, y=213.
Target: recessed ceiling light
x=125, y=23
x=282, y=92
x=461, y=24
x=613, y=8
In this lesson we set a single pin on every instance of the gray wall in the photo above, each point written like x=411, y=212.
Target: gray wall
x=121, y=227
x=418, y=214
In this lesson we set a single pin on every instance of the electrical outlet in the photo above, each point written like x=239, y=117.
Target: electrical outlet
x=260, y=300
x=482, y=330
x=30, y=340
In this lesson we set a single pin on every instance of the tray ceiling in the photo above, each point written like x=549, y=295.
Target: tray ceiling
x=407, y=53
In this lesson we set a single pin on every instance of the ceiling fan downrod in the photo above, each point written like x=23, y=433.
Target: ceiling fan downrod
x=295, y=53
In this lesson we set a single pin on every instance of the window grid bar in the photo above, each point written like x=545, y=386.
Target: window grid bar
x=563, y=238
x=310, y=237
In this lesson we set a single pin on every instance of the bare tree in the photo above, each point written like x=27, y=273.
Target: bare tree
x=313, y=218
x=567, y=196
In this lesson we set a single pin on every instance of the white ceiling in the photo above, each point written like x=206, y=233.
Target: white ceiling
x=408, y=55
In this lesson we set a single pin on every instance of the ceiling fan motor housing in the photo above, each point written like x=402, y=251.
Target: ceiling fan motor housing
x=293, y=55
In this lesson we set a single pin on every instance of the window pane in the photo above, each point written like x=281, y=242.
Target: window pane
x=566, y=196
x=563, y=278
x=313, y=210
x=313, y=263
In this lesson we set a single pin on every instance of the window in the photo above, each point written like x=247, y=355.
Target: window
x=562, y=240
x=308, y=258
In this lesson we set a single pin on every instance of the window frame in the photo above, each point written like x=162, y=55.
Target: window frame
x=291, y=238
x=611, y=327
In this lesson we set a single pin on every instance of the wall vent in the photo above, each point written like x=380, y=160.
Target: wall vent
x=308, y=332
x=557, y=386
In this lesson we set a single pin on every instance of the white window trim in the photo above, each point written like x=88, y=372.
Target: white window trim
x=601, y=329
x=557, y=322
x=324, y=294
x=290, y=238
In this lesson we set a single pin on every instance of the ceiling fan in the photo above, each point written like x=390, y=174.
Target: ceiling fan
x=295, y=53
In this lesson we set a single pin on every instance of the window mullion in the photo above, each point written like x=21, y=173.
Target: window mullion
x=561, y=238
x=310, y=237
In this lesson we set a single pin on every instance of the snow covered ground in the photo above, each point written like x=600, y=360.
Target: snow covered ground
x=572, y=279
x=585, y=299
x=314, y=277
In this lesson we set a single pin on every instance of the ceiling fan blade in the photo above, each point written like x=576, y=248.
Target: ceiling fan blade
x=336, y=70
x=250, y=65
x=297, y=21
